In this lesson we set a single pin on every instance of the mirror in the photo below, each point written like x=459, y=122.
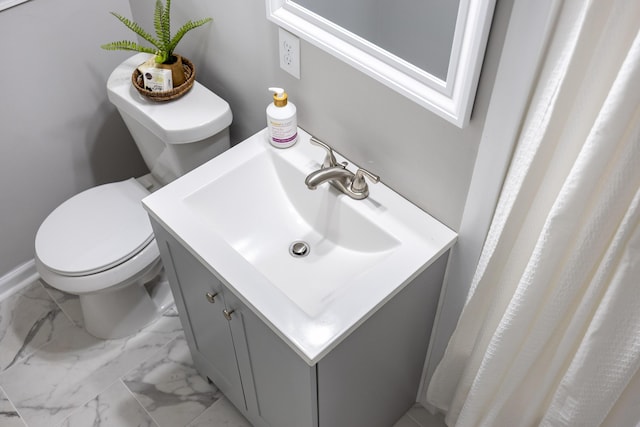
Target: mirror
x=6, y=4
x=419, y=32
x=428, y=50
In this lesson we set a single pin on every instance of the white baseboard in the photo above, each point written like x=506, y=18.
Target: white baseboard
x=18, y=278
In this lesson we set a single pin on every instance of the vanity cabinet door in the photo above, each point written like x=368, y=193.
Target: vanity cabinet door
x=199, y=297
x=280, y=388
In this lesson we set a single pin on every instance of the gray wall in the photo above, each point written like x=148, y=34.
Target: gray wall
x=64, y=137
x=58, y=133
x=420, y=155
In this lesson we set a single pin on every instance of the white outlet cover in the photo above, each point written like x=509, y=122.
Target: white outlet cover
x=289, y=52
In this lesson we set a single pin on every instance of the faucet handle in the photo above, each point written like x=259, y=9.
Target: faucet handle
x=330, y=160
x=359, y=184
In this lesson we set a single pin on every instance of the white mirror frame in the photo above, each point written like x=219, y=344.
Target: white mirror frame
x=451, y=99
x=6, y=4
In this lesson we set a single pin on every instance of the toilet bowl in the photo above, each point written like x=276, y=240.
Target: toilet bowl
x=99, y=244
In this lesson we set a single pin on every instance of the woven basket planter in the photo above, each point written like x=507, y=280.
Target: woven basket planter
x=168, y=95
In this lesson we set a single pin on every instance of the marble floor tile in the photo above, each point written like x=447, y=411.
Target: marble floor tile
x=70, y=304
x=8, y=415
x=170, y=388
x=114, y=407
x=57, y=375
x=406, y=421
x=71, y=370
x=29, y=319
x=424, y=418
x=220, y=414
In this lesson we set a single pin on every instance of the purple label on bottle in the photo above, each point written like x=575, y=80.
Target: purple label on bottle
x=285, y=140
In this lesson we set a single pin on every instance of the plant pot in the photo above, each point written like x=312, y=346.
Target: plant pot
x=177, y=71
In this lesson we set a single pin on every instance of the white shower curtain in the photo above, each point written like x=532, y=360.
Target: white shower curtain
x=550, y=333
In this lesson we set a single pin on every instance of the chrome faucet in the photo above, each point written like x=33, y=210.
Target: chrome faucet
x=337, y=174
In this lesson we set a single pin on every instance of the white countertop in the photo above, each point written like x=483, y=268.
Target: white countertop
x=310, y=333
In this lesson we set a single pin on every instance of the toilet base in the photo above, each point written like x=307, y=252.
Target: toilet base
x=124, y=311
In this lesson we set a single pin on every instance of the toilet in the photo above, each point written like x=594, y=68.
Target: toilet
x=99, y=244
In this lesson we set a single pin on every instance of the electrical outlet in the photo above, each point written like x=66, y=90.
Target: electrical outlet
x=289, y=51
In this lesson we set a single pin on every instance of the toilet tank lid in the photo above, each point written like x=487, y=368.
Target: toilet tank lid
x=195, y=116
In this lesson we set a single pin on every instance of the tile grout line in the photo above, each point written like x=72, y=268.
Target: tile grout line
x=58, y=304
x=41, y=283
x=190, y=421
x=82, y=405
x=414, y=420
x=121, y=379
x=406, y=416
x=132, y=394
x=13, y=406
x=419, y=424
x=161, y=348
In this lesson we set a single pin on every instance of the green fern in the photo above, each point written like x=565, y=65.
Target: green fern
x=128, y=45
x=163, y=44
x=190, y=25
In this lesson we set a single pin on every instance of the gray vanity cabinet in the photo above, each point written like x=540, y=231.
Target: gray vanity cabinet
x=368, y=380
x=266, y=380
x=200, y=300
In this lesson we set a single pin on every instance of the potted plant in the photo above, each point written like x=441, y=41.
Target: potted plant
x=163, y=43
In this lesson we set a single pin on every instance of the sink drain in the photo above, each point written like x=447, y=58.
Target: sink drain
x=299, y=249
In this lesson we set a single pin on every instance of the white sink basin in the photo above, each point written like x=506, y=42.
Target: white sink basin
x=241, y=212
x=263, y=207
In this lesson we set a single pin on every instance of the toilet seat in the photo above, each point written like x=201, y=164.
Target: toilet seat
x=142, y=267
x=102, y=229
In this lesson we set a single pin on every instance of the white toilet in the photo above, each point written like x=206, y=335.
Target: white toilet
x=99, y=244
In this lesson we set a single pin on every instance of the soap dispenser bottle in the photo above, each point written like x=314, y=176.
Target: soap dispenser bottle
x=282, y=122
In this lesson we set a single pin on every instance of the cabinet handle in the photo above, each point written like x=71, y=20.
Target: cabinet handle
x=211, y=297
x=227, y=313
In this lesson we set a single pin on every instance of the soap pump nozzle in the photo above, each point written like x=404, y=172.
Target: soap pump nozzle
x=279, y=96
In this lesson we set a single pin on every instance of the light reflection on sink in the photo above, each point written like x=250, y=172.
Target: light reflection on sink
x=275, y=208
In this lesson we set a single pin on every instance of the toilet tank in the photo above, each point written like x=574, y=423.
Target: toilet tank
x=172, y=136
